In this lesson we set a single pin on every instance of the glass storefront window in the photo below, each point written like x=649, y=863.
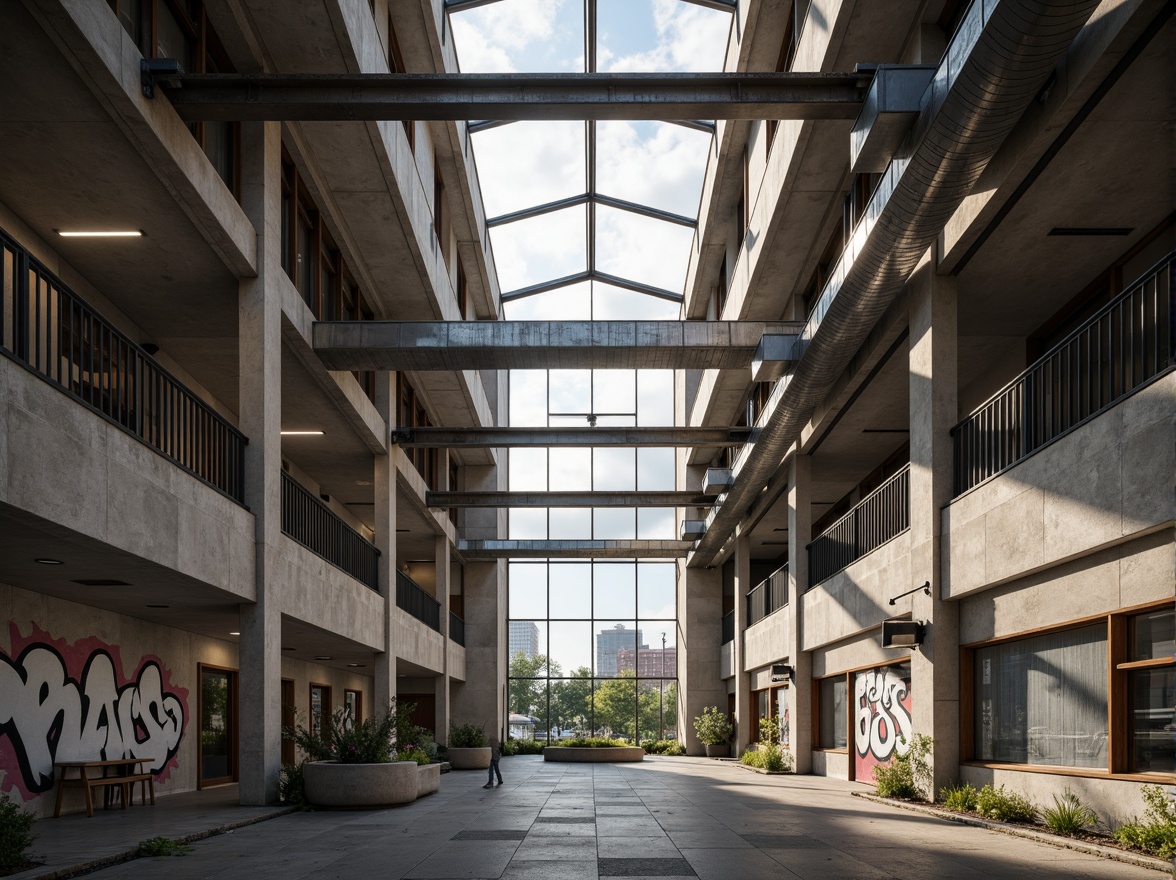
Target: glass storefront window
x=833, y=731
x=1152, y=690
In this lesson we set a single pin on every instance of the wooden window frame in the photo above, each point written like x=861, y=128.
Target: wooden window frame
x=234, y=726
x=358, y=703
x=1118, y=698
x=327, y=709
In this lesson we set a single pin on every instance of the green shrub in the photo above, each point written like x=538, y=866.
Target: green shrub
x=466, y=736
x=663, y=747
x=768, y=756
x=291, y=786
x=523, y=747
x=412, y=753
x=1004, y=806
x=162, y=846
x=1068, y=815
x=752, y=758
x=347, y=741
x=712, y=726
x=16, y=835
x=1156, y=832
x=592, y=742
x=909, y=773
x=960, y=798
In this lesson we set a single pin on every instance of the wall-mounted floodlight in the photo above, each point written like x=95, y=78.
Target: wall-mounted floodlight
x=781, y=672
x=902, y=633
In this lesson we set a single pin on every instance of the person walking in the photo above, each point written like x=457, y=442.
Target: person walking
x=495, y=754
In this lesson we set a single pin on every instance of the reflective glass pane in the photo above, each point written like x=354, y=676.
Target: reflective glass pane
x=527, y=164
x=525, y=646
x=527, y=585
x=656, y=523
x=611, y=303
x=1153, y=694
x=653, y=35
x=527, y=523
x=569, y=523
x=614, y=391
x=657, y=164
x=527, y=701
x=642, y=249
x=528, y=469
x=1153, y=635
x=652, y=662
x=614, y=523
x=614, y=467
x=571, y=392
x=542, y=248
x=571, y=648
x=571, y=590
x=571, y=469
x=657, y=590
x=614, y=708
x=571, y=303
x=655, y=469
x=613, y=641
x=571, y=705
x=655, y=397
x=614, y=589
x=528, y=398
x=657, y=706
x=519, y=36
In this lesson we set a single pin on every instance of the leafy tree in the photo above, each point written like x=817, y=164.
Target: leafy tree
x=527, y=695
x=656, y=706
x=614, y=704
x=571, y=700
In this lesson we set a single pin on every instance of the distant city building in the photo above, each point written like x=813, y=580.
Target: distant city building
x=524, y=636
x=609, y=642
x=650, y=662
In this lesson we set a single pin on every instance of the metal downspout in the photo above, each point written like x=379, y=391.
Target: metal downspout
x=999, y=59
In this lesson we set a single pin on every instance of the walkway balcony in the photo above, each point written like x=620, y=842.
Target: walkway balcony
x=768, y=596
x=456, y=629
x=316, y=527
x=414, y=599
x=48, y=328
x=880, y=516
x=1115, y=353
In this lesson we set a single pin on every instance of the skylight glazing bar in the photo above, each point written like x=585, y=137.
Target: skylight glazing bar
x=646, y=211
x=538, y=210
x=545, y=286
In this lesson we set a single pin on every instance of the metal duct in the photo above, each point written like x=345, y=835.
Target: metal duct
x=997, y=62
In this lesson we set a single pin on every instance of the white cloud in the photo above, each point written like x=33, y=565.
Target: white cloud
x=689, y=38
x=497, y=38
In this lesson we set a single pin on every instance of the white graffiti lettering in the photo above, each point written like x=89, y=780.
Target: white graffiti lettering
x=50, y=717
x=883, y=722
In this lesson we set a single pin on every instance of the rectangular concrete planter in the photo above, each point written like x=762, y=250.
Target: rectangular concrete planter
x=428, y=779
x=469, y=759
x=360, y=786
x=606, y=755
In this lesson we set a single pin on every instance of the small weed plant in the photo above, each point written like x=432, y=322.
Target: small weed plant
x=959, y=798
x=908, y=775
x=1068, y=815
x=467, y=736
x=663, y=747
x=161, y=847
x=1155, y=833
x=1004, y=806
x=291, y=787
x=16, y=835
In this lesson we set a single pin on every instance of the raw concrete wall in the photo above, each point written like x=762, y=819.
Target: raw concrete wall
x=64, y=463
x=316, y=592
x=766, y=641
x=417, y=643
x=1107, y=480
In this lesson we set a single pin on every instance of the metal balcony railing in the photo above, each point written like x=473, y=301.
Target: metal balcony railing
x=728, y=627
x=1120, y=349
x=768, y=596
x=877, y=518
x=48, y=328
x=417, y=601
x=456, y=629
x=316, y=527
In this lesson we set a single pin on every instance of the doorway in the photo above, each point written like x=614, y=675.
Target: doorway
x=217, y=763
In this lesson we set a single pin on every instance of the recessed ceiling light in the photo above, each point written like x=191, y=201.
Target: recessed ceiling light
x=302, y=433
x=46, y=561
x=234, y=634
x=100, y=233
x=356, y=665
x=159, y=606
x=289, y=649
x=102, y=582
x=324, y=657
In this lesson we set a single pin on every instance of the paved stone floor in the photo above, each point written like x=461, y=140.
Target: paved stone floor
x=666, y=817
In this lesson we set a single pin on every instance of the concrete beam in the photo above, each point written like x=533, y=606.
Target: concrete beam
x=568, y=499
x=516, y=96
x=503, y=345
x=503, y=549
x=512, y=438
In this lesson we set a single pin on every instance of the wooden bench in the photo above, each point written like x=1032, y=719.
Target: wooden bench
x=126, y=772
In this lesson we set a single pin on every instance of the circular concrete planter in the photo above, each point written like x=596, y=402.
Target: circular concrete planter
x=718, y=750
x=428, y=779
x=469, y=759
x=359, y=786
x=605, y=755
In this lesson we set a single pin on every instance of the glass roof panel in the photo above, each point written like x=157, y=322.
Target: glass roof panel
x=642, y=249
x=525, y=164
x=571, y=303
x=615, y=304
x=540, y=249
x=652, y=163
x=660, y=35
x=522, y=36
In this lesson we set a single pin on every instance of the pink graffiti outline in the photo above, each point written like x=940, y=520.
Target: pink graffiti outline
x=76, y=656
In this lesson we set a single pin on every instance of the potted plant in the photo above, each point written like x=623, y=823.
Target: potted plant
x=354, y=765
x=467, y=748
x=714, y=731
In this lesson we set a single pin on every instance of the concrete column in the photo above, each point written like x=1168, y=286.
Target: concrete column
x=800, y=691
x=260, y=406
x=744, y=723
x=700, y=682
x=479, y=700
x=933, y=411
x=384, y=687
x=441, y=555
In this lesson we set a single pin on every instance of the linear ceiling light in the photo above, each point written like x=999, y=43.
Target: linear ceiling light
x=302, y=433
x=100, y=233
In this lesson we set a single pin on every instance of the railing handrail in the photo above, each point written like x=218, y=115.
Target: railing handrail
x=363, y=568
x=864, y=501
x=409, y=582
x=64, y=288
x=782, y=568
x=1069, y=339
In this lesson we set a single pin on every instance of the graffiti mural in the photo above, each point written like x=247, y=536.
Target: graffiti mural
x=72, y=702
x=883, y=706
